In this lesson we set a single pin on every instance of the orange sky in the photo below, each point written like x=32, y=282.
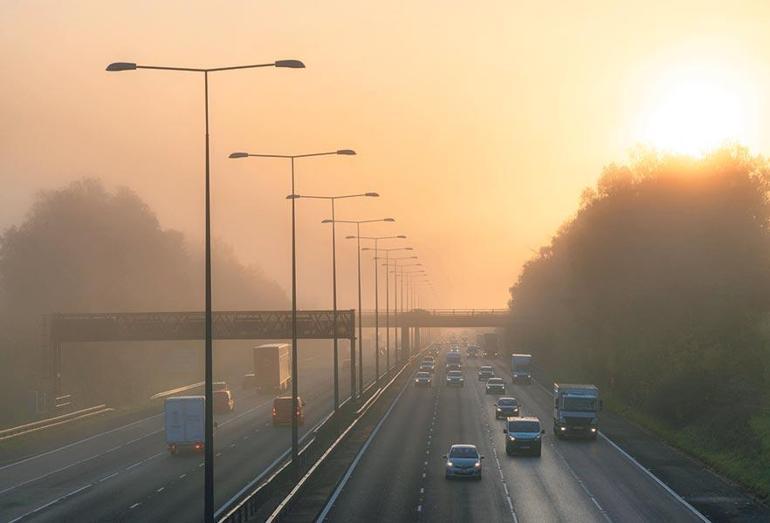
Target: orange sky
x=479, y=124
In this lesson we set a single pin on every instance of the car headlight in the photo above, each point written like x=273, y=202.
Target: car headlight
x=477, y=464
x=448, y=463
x=563, y=428
x=593, y=429
x=512, y=438
x=498, y=409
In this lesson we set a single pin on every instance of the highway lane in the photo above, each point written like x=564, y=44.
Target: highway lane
x=402, y=473
x=129, y=475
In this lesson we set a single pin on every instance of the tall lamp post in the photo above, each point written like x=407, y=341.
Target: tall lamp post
x=407, y=295
x=333, y=199
x=294, y=371
x=388, y=266
x=376, y=240
x=360, y=310
x=399, y=305
x=387, y=295
x=208, y=497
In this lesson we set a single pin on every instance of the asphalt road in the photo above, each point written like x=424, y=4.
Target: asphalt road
x=400, y=477
x=126, y=474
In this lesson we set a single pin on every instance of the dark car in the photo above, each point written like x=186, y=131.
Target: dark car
x=523, y=435
x=282, y=411
x=495, y=386
x=454, y=378
x=486, y=372
x=423, y=379
x=506, y=407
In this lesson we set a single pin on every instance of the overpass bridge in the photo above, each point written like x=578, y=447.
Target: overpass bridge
x=61, y=329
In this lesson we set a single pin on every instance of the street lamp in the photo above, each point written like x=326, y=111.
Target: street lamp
x=387, y=296
x=376, y=239
x=360, y=311
x=399, y=277
x=387, y=265
x=333, y=199
x=293, y=198
x=405, y=296
x=208, y=504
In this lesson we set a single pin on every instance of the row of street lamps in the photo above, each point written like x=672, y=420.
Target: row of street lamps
x=294, y=196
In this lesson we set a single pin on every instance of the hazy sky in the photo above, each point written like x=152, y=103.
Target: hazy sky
x=479, y=123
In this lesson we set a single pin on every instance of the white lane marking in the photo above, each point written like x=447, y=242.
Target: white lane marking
x=580, y=482
x=161, y=489
x=134, y=465
x=182, y=476
x=70, y=445
x=57, y=500
x=357, y=459
x=419, y=508
x=132, y=507
x=84, y=460
x=105, y=478
x=641, y=467
x=657, y=480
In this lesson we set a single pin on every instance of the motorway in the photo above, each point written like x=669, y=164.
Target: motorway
x=400, y=476
x=126, y=474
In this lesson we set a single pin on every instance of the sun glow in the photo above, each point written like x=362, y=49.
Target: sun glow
x=692, y=112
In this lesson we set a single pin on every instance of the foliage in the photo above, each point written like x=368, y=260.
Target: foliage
x=83, y=248
x=658, y=289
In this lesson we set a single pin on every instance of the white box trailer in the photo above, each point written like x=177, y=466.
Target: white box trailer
x=184, y=423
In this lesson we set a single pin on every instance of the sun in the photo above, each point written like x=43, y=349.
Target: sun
x=693, y=112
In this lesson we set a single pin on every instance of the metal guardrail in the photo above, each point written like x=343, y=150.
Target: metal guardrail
x=52, y=422
x=247, y=503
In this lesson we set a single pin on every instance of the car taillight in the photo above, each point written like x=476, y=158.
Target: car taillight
x=297, y=412
x=273, y=411
x=198, y=446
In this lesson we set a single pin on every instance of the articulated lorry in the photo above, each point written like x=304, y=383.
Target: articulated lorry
x=576, y=410
x=184, y=418
x=520, y=368
x=272, y=367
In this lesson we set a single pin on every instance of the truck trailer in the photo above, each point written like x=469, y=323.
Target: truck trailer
x=576, y=410
x=520, y=368
x=184, y=423
x=272, y=367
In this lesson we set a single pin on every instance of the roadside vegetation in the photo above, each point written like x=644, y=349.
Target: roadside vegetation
x=84, y=248
x=658, y=291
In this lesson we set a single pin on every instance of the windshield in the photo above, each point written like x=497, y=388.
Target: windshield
x=495, y=381
x=508, y=402
x=463, y=452
x=455, y=374
x=485, y=369
x=580, y=404
x=423, y=375
x=523, y=426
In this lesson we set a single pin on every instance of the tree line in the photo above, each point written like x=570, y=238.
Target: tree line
x=658, y=291
x=84, y=248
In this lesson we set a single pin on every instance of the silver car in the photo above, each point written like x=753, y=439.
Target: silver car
x=463, y=461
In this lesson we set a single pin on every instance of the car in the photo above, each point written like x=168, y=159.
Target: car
x=423, y=379
x=223, y=401
x=486, y=372
x=463, y=461
x=453, y=366
x=249, y=381
x=506, y=407
x=523, y=434
x=282, y=411
x=495, y=386
x=454, y=378
x=426, y=367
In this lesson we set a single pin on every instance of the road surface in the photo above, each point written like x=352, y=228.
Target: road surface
x=126, y=474
x=400, y=477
